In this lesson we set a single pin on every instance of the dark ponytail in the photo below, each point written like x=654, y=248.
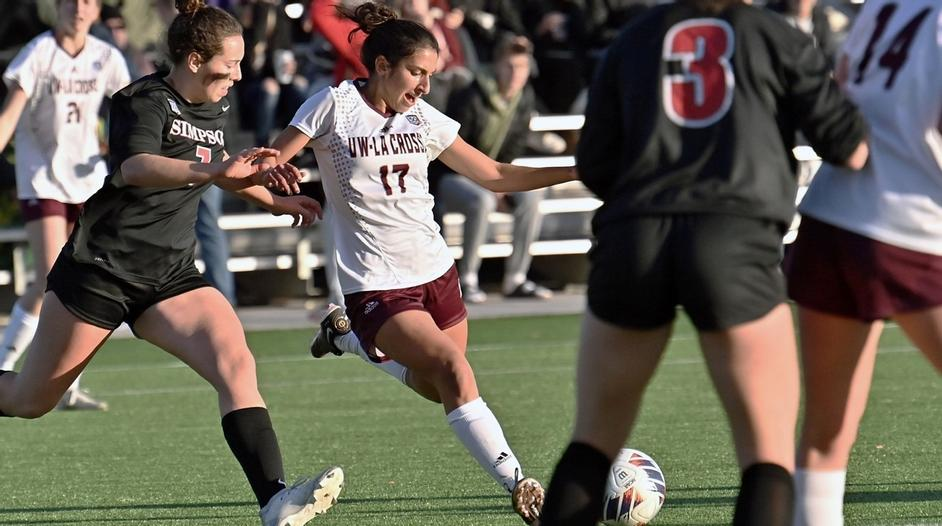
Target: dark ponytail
x=199, y=28
x=386, y=34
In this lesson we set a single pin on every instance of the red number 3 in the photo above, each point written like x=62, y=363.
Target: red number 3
x=702, y=91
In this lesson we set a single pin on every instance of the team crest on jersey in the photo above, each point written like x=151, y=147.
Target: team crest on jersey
x=97, y=65
x=413, y=120
x=173, y=106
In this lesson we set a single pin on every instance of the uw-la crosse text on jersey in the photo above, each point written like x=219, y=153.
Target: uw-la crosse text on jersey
x=374, y=169
x=894, y=64
x=57, y=151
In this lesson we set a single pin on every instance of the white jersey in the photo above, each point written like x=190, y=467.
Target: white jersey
x=895, y=58
x=375, y=174
x=57, y=149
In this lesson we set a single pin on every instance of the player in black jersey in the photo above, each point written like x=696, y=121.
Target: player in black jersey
x=688, y=136
x=131, y=256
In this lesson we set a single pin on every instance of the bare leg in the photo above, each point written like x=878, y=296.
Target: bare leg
x=412, y=339
x=62, y=348
x=201, y=329
x=754, y=367
x=925, y=330
x=614, y=367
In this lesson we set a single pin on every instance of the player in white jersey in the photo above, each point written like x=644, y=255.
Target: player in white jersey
x=870, y=244
x=56, y=87
x=374, y=139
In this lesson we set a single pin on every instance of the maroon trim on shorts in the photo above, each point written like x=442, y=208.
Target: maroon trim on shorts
x=369, y=310
x=839, y=272
x=34, y=209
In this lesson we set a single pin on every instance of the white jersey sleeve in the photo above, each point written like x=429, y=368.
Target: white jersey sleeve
x=23, y=70
x=315, y=117
x=374, y=169
x=894, y=54
x=116, y=76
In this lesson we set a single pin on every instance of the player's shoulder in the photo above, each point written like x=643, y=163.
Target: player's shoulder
x=43, y=41
x=149, y=90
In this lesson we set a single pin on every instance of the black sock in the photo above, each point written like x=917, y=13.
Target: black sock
x=1, y=412
x=577, y=489
x=253, y=442
x=766, y=496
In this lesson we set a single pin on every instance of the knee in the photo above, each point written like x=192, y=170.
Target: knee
x=32, y=409
x=448, y=367
x=236, y=368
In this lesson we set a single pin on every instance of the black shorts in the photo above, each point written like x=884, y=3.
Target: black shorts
x=723, y=270
x=102, y=299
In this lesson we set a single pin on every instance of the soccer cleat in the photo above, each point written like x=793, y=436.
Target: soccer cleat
x=527, y=498
x=298, y=504
x=335, y=323
x=80, y=400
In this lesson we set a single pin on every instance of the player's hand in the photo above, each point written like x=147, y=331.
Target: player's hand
x=285, y=178
x=302, y=208
x=242, y=165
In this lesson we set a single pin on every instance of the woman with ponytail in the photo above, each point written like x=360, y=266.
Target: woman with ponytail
x=374, y=139
x=130, y=258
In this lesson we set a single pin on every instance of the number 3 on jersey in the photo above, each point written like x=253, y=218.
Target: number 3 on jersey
x=698, y=88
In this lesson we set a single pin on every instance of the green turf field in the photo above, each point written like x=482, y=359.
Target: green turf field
x=159, y=458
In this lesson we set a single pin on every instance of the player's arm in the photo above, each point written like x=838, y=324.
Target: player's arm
x=500, y=177
x=289, y=143
x=302, y=208
x=156, y=171
x=10, y=115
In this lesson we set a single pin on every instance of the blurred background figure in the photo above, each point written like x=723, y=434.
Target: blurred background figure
x=811, y=19
x=494, y=112
x=56, y=85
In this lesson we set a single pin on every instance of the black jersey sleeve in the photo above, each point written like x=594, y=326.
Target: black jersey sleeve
x=137, y=126
x=601, y=139
x=828, y=119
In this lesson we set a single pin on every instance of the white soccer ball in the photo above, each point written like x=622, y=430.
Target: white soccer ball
x=635, y=491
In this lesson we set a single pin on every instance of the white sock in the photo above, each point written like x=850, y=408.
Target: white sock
x=349, y=343
x=479, y=431
x=70, y=392
x=17, y=336
x=819, y=497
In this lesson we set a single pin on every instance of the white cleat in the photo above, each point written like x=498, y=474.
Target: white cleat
x=298, y=504
x=80, y=400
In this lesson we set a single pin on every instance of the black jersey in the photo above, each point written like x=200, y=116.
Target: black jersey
x=693, y=113
x=145, y=234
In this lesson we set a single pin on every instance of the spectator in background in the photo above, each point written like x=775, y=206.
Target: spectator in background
x=494, y=112
x=486, y=21
x=456, y=58
x=273, y=87
x=810, y=18
x=339, y=33
x=113, y=29
x=559, y=35
x=56, y=87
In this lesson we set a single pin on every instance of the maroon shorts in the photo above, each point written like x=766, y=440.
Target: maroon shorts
x=832, y=270
x=33, y=209
x=369, y=310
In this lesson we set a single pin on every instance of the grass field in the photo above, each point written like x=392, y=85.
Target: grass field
x=158, y=457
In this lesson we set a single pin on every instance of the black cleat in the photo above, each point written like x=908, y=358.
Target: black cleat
x=335, y=323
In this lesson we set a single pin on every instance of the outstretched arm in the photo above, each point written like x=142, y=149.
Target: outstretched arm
x=500, y=177
x=157, y=171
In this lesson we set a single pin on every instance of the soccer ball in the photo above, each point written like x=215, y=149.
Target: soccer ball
x=635, y=491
